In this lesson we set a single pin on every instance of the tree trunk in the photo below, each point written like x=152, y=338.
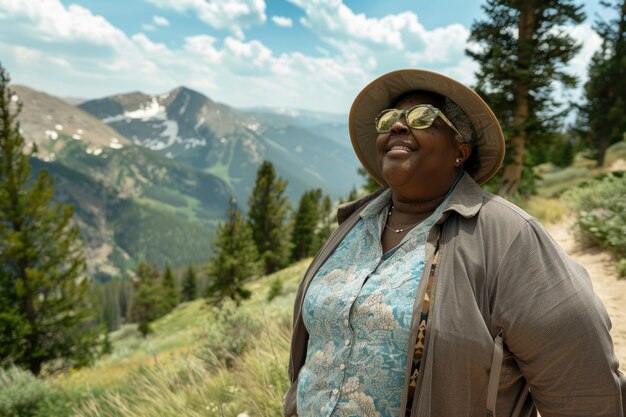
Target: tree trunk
x=34, y=365
x=512, y=175
x=602, y=146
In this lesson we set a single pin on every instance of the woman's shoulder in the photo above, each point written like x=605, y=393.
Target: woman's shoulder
x=499, y=216
x=496, y=207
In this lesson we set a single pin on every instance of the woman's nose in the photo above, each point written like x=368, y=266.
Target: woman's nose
x=399, y=128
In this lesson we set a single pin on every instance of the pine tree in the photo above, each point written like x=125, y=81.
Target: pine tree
x=148, y=301
x=370, y=183
x=235, y=261
x=522, y=54
x=327, y=219
x=304, y=235
x=602, y=119
x=46, y=312
x=170, y=292
x=267, y=216
x=189, y=290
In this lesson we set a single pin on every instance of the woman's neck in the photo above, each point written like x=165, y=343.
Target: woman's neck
x=409, y=210
x=413, y=205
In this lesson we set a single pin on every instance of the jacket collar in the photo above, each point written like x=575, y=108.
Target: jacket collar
x=466, y=199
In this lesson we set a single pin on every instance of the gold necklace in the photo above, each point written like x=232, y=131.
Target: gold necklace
x=403, y=229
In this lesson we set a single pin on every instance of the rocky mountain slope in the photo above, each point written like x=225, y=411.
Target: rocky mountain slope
x=189, y=127
x=131, y=203
x=45, y=118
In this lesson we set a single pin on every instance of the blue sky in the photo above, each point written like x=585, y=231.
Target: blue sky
x=314, y=54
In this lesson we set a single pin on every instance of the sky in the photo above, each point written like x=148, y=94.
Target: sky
x=306, y=54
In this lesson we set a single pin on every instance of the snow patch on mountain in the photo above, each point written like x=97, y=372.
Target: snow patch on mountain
x=151, y=110
x=253, y=126
x=184, y=106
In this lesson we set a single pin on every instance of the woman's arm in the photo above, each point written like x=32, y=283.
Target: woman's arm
x=556, y=327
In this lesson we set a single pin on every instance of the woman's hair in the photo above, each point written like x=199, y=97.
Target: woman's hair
x=459, y=119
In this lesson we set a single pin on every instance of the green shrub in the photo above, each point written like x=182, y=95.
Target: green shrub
x=21, y=393
x=601, y=208
x=227, y=335
x=59, y=404
x=276, y=289
x=621, y=268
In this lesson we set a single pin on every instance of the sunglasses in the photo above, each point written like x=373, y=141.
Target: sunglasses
x=421, y=116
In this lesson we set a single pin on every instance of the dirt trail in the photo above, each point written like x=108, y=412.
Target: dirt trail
x=609, y=288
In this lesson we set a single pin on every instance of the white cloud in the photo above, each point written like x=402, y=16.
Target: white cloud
x=251, y=58
x=49, y=21
x=249, y=73
x=232, y=15
x=386, y=43
x=203, y=46
x=282, y=21
x=160, y=21
x=356, y=49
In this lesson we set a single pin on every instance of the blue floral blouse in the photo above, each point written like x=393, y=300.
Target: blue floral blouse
x=358, y=311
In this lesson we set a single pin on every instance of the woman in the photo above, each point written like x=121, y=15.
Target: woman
x=434, y=298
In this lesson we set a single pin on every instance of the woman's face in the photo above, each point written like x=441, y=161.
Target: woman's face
x=418, y=164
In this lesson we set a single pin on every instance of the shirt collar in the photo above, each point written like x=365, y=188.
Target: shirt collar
x=466, y=198
x=376, y=205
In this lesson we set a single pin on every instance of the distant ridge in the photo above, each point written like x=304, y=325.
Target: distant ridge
x=187, y=126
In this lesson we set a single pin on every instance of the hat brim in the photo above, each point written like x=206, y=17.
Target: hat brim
x=383, y=91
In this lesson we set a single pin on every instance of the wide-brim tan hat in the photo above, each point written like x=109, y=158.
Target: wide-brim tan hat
x=383, y=91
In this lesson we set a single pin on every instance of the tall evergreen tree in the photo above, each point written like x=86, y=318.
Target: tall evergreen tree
x=235, y=261
x=45, y=311
x=370, y=183
x=149, y=302
x=189, y=291
x=602, y=118
x=327, y=219
x=523, y=51
x=304, y=234
x=111, y=296
x=170, y=292
x=268, y=208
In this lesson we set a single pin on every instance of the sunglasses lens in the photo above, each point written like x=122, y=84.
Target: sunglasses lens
x=386, y=119
x=421, y=117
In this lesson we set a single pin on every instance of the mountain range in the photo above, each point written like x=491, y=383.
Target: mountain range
x=150, y=176
x=189, y=127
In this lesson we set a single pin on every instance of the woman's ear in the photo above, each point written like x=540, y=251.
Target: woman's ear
x=464, y=150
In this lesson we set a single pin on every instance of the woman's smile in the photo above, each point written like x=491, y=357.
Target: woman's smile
x=399, y=147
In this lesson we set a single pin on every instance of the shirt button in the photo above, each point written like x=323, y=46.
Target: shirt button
x=351, y=299
x=342, y=366
x=346, y=323
x=347, y=342
x=335, y=391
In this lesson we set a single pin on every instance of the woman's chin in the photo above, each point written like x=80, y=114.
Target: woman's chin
x=397, y=179
x=396, y=172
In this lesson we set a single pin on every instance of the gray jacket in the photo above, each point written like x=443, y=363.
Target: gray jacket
x=513, y=323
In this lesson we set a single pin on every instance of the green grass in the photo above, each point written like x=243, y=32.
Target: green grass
x=162, y=376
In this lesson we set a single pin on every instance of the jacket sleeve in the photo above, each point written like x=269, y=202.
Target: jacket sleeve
x=556, y=327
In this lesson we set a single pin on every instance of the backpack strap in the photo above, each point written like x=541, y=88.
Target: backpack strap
x=494, y=375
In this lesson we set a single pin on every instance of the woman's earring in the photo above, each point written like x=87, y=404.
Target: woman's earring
x=457, y=162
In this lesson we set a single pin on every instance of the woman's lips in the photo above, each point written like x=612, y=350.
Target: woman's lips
x=399, y=150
